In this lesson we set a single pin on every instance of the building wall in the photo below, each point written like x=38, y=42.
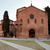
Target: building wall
x=41, y=29
x=1, y=32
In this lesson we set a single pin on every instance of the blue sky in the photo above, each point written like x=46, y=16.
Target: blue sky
x=12, y=5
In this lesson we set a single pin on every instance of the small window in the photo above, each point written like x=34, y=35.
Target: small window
x=35, y=20
x=31, y=16
x=21, y=20
x=41, y=20
x=20, y=24
x=16, y=24
x=27, y=20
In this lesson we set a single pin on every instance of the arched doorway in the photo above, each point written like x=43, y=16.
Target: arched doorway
x=31, y=33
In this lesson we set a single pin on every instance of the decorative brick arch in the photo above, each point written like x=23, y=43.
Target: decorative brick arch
x=32, y=27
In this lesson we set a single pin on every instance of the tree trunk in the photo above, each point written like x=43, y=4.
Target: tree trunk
x=5, y=34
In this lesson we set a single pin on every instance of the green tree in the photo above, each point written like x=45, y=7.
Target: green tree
x=11, y=33
x=5, y=24
x=47, y=9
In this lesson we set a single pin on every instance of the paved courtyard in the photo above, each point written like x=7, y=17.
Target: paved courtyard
x=39, y=41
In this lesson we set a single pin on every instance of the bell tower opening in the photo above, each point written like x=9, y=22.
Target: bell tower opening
x=31, y=33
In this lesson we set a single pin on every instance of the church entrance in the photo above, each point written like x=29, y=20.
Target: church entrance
x=31, y=33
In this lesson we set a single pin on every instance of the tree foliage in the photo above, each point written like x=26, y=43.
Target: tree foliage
x=5, y=24
x=47, y=9
x=11, y=33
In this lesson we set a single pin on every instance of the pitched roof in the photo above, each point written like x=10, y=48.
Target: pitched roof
x=24, y=8
x=20, y=9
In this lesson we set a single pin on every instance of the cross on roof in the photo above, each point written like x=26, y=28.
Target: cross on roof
x=31, y=2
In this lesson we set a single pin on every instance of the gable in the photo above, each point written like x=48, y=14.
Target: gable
x=23, y=9
x=31, y=10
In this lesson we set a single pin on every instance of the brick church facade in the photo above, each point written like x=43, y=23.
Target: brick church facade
x=31, y=23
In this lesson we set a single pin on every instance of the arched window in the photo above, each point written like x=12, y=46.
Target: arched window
x=16, y=24
x=27, y=20
x=35, y=20
x=41, y=20
x=21, y=20
x=31, y=16
x=20, y=24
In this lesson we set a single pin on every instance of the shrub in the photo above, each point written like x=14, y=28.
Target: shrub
x=11, y=33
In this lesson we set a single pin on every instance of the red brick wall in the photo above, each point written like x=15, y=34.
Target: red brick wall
x=41, y=29
x=1, y=32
